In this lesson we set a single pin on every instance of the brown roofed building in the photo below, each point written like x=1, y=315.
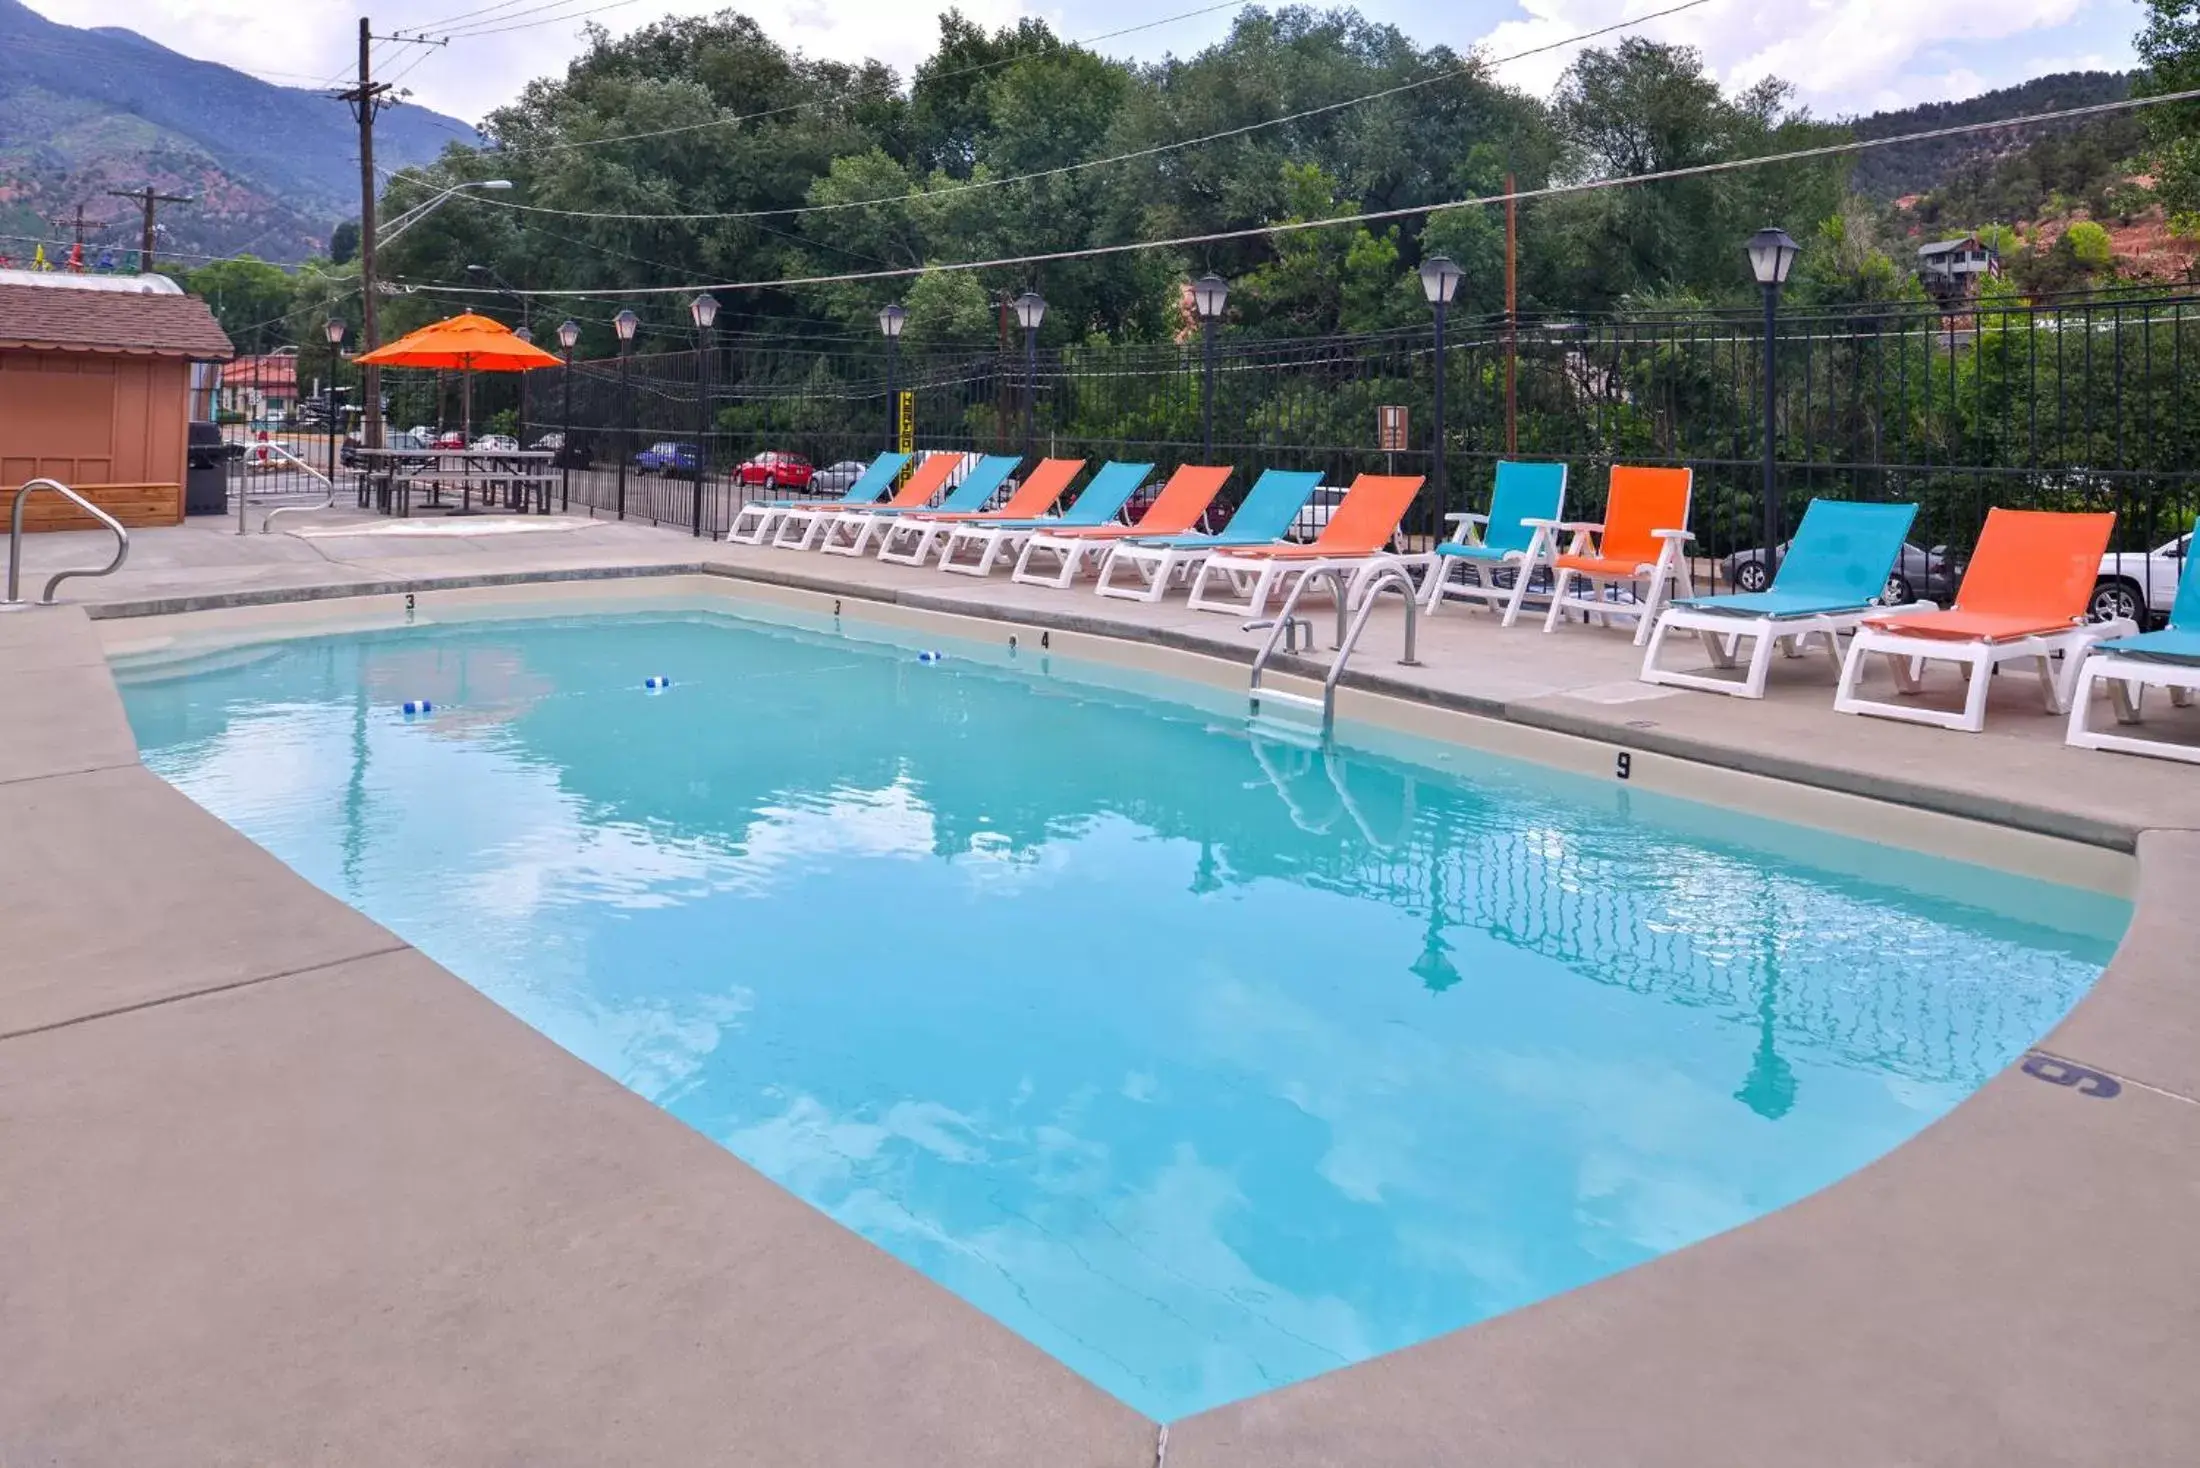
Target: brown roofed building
x=95, y=392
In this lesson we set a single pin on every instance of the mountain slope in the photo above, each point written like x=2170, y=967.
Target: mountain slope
x=1915, y=168
x=272, y=169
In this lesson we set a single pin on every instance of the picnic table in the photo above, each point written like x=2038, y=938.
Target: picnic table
x=510, y=478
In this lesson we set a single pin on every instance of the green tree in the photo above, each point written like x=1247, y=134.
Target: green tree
x=1325, y=280
x=2090, y=245
x=2169, y=45
x=251, y=300
x=1646, y=108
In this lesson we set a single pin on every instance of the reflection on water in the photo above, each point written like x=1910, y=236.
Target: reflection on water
x=1207, y=1063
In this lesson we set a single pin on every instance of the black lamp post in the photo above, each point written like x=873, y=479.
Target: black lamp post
x=569, y=335
x=1439, y=282
x=333, y=329
x=1209, y=294
x=704, y=308
x=525, y=334
x=890, y=321
x=1031, y=309
x=1771, y=253
x=625, y=324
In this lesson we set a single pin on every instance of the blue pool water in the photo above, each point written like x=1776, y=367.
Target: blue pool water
x=1204, y=1062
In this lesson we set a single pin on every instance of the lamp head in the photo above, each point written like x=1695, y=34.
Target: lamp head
x=334, y=330
x=1031, y=309
x=1209, y=293
x=1771, y=253
x=569, y=334
x=704, y=308
x=626, y=323
x=890, y=320
x=1440, y=279
x=524, y=334
x=491, y=183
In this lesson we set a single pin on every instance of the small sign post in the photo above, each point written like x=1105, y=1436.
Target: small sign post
x=905, y=422
x=1390, y=433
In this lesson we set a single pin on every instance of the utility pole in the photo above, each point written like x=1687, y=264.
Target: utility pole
x=150, y=201
x=79, y=226
x=366, y=100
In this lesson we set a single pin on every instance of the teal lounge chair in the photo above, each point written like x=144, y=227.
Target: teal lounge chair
x=2169, y=660
x=981, y=546
x=851, y=531
x=1527, y=499
x=1829, y=579
x=754, y=524
x=1264, y=517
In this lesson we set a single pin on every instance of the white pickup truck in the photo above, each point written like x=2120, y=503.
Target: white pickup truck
x=2140, y=586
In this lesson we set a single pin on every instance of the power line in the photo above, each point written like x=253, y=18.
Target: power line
x=883, y=90
x=436, y=25
x=1473, y=68
x=1295, y=226
x=522, y=25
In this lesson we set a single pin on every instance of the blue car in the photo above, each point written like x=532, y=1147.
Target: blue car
x=670, y=458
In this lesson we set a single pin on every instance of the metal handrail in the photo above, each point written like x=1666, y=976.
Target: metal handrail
x=15, y=542
x=327, y=479
x=1384, y=575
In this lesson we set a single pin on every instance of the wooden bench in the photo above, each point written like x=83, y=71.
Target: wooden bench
x=133, y=504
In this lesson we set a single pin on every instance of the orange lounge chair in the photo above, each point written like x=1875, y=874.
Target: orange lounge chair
x=1175, y=511
x=803, y=529
x=2024, y=595
x=912, y=538
x=1358, y=534
x=1638, y=546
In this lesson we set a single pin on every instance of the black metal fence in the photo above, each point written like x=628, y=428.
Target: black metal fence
x=2076, y=404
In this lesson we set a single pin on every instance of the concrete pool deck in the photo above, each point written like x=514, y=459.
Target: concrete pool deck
x=282, y=1190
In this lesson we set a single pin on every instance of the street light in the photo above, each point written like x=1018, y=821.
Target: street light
x=1031, y=309
x=395, y=227
x=704, y=310
x=1771, y=254
x=1209, y=294
x=569, y=335
x=1440, y=282
x=625, y=324
x=891, y=319
x=333, y=329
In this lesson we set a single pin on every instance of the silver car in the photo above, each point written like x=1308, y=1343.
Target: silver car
x=1919, y=574
x=836, y=478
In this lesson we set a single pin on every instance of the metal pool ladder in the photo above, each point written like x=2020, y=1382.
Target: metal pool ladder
x=1283, y=628
x=15, y=543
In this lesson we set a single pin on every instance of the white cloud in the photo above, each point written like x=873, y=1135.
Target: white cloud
x=1841, y=55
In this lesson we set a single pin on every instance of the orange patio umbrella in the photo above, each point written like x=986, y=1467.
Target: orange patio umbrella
x=465, y=343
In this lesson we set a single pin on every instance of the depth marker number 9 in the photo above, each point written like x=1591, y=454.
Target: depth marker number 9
x=1625, y=768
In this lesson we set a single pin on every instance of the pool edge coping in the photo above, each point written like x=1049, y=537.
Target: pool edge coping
x=2160, y=930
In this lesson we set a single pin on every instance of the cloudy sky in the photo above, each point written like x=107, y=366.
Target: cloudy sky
x=1843, y=55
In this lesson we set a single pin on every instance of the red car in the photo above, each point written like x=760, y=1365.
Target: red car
x=450, y=438
x=775, y=471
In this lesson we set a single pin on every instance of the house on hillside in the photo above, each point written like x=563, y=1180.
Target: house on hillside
x=1951, y=269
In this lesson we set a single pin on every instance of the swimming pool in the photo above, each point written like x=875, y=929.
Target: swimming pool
x=1205, y=1061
